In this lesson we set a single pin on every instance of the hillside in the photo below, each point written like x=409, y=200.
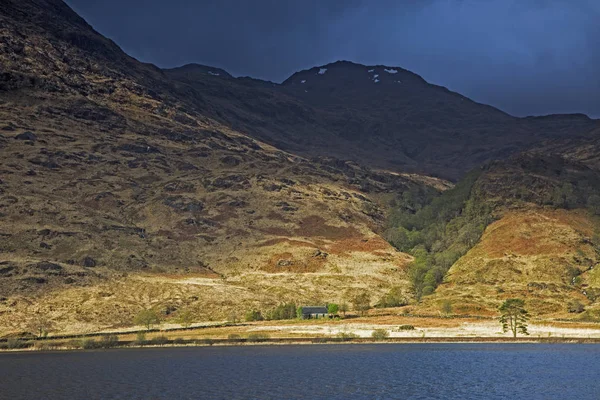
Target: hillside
x=125, y=187
x=116, y=194
x=527, y=227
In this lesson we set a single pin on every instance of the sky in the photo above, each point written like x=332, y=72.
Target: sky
x=526, y=57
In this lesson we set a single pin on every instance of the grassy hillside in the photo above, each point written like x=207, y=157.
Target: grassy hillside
x=545, y=256
x=526, y=227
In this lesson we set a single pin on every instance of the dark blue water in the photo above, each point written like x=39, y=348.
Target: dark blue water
x=406, y=371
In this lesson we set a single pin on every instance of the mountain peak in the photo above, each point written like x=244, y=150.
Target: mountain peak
x=191, y=69
x=349, y=71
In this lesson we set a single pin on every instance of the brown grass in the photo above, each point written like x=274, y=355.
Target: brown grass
x=367, y=245
x=316, y=226
x=287, y=262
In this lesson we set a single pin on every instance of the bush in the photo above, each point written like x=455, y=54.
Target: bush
x=147, y=318
x=258, y=337
x=394, y=298
x=234, y=336
x=332, y=308
x=207, y=341
x=186, y=318
x=362, y=303
x=446, y=307
x=254, y=315
x=406, y=328
x=283, y=311
x=73, y=344
x=575, y=306
x=140, y=339
x=42, y=346
x=178, y=341
x=380, y=334
x=109, y=341
x=159, y=340
x=13, y=343
x=346, y=336
x=89, y=344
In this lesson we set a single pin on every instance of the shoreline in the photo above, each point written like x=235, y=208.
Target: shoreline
x=124, y=345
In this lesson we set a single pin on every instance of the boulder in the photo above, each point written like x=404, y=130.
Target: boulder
x=26, y=136
x=46, y=266
x=230, y=161
x=88, y=262
x=7, y=269
x=35, y=279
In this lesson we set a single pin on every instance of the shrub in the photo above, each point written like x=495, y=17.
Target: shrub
x=446, y=307
x=178, y=340
x=234, y=336
x=73, y=344
x=332, y=308
x=140, y=339
x=283, y=311
x=575, y=306
x=406, y=328
x=254, y=315
x=109, y=341
x=207, y=341
x=394, y=298
x=89, y=344
x=380, y=334
x=343, y=308
x=13, y=343
x=362, y=302
x=258, y=337
x=186, y=318
x=159, y=340
x=42, y=346
x=147, y=318
x=345, y=336
x=233, y=318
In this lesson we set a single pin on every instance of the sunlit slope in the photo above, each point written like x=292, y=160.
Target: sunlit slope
x=542, y=255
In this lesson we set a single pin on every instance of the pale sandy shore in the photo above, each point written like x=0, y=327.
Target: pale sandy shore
x=486, y=329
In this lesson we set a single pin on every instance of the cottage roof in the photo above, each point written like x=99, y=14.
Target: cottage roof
x=314, y=310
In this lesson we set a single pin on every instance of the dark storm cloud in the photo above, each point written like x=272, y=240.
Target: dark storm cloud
x=523, y=56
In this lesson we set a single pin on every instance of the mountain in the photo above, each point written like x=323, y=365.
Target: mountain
x=382, y=116
x=122, y=190
x=124, y=186
x=526, y=227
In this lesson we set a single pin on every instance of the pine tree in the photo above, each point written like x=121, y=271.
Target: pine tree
x=514, y=316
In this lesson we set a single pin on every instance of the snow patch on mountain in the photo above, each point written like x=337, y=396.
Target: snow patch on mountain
x=391, y=71
x=322, y=71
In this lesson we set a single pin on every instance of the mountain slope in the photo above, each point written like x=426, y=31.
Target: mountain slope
x=542, y=242
x=382, y=116
x=119, y=191
x=124, y=187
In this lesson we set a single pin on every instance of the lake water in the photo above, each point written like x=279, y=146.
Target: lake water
x=404, y=371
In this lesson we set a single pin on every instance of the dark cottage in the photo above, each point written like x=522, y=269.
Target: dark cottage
x=314, y=312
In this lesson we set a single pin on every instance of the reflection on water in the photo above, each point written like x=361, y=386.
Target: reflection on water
x=405, y=371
